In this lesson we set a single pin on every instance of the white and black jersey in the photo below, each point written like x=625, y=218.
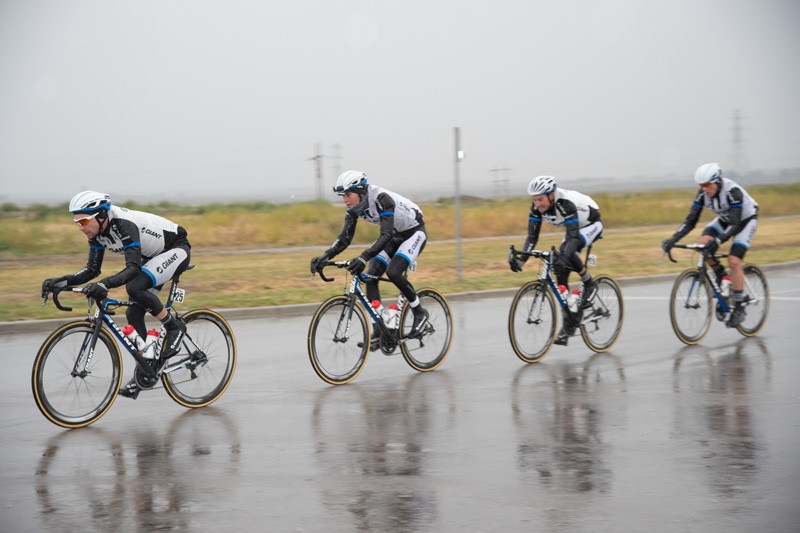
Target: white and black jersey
x=733, y=206
x=136, y=234
x=570, y=210
x=397, y=216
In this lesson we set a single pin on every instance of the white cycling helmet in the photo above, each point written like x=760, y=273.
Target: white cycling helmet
x=89, y=202
x=542, y=185
x=708, y=173
x=351, y=180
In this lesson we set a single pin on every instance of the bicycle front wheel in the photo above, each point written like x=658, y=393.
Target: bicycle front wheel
x=532, y=321
x=203, y=368
x=602, y=322
x=756, y=293
x=337, y=344
x=690, y=306
x=428, y=351
x=72, y=385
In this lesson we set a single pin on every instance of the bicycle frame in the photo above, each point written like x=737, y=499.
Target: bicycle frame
x=102, y=315
x=355, y=292
x=546, y=272
x=702, y=266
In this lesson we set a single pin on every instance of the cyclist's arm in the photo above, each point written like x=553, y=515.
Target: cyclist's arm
x=735, y=198
x=572, y=239
x=345, y=237
x=534, y=227
x=132, y=248
x=93, y=264
x=386, y=206
x=691, y=219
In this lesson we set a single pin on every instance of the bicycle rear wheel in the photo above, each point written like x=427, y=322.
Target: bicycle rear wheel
x=338, y=345
x=756, y=293
x=72, y=387
x=203, y=369
x=602, y=322
x=427, y=352
x=532, y=321
x=690, y=306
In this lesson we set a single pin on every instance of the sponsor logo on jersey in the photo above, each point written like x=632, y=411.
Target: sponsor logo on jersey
x=150, y=232
x=167, y=262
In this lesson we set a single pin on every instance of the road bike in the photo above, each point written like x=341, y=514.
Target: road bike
x=690, y=303
x=77, y=372
x=339, y=337
x=532, y=318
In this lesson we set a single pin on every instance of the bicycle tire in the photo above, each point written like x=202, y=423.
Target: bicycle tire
x=757, y=306
x=336, y=350
x=602, y=321
x=203, y=368
x=429, y=351
x=690, y=306
x=74, y=401
x=532, y=321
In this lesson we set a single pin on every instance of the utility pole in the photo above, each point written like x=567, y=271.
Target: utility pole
x=317, y=159
x=501, y=182
x=738, y=157
x=337, y=167
x=459, y=155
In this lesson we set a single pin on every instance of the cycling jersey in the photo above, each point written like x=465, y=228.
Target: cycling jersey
x=138, y=235
x=571, y=210
x=733, y=206
x=396, y=215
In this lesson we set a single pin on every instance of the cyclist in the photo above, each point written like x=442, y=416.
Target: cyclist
x=737, y=217
x=402, y=238
x=580, y=216
x=155, y=250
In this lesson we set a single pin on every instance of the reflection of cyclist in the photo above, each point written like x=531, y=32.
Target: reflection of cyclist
x=155, y=250
x=737, y=215
x=579, y=215
x=402, y=237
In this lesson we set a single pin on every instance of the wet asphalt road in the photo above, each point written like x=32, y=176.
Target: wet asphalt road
x=652, y=436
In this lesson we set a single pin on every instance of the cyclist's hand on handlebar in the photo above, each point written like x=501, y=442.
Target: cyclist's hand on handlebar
x=667, y=245
x=53, y=283
x=98, y=291
x=357, y=265
x=316, y=263
x=516, y=264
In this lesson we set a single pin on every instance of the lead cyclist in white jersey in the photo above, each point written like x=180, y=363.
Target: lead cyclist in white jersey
x=402, y=237
x=155, y=250
x=737, y=217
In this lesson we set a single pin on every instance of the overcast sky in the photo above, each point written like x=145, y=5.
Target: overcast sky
x=188, y=98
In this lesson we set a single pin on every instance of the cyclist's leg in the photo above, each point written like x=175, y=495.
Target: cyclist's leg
x=741, y=243
x=161, y=269
x=408, y=252
x=376, y=267
x=712, y=230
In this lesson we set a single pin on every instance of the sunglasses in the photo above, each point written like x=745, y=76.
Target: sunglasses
x=85, y=220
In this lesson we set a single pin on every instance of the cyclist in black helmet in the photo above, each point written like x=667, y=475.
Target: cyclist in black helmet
x=402, y=238
x=155, y=250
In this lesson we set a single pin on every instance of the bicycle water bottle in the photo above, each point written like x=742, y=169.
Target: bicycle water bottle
x=562, y=289
x=151, y=348
x=130, y=333
x=377, y=307
x=725, y=286
x=574, y=300
x=393, y=316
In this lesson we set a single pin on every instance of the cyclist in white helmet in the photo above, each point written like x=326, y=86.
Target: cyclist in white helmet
x=579, y=215
x=737, y=217
x=155, y=250
x=402, y=238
